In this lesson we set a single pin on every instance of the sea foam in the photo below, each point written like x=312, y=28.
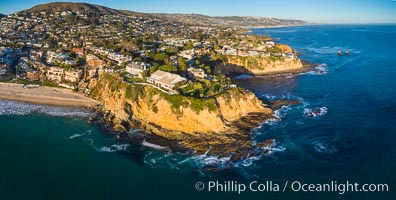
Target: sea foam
x=324, y=148
x=77, y=135
x=113, y=148
x=316, y=112
x=153, y=146
x=244, y=76
x=21, y=108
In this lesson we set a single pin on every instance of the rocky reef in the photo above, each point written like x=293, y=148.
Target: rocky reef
x=218, y=125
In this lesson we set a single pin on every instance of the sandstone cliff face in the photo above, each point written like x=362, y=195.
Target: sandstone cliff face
x=259, y=65
x=197, y=123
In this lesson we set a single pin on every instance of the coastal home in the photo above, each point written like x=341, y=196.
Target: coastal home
x=253, y=53
x=73, y=75
x=119, y=57
x=188, y=54
x=33, y=75
x=173, y=60
x=165, y=79
x=94, y=61
x=137, y=68
x=69, y=62
x=269, y=44
x=290, y=55
x=231, y=51
x=55, y=74
x=3, y=71
x=265, y=54
x=242, y=52
x=195, y=73
x=79, y=51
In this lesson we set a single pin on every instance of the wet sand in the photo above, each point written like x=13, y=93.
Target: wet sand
x=45, y=96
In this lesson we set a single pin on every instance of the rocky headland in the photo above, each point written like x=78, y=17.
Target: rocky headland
x=263, y=65
x=218, y=125
x=260, y=65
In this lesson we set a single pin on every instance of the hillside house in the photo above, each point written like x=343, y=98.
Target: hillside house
x=165, y=79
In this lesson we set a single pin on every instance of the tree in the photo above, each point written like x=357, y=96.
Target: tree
x=168, y=68
x=160, y=57
x=198, y=36
x=138, y=59
x=182, y=64
x=154, y=68
x=188, y=46
x=166, y=60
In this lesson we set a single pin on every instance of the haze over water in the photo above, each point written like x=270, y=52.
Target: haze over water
x=45, y=155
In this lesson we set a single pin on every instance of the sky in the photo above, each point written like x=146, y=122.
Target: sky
x=314, y=11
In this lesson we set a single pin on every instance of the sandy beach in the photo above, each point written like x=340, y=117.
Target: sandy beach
x=45, y=96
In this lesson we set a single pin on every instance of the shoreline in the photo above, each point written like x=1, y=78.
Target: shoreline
x=306, y=67
x=250, y=29
x=47, y=96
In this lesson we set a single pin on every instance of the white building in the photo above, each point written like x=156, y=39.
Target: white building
x=165, y=79
x=73, y=75
x=137, y=68
x=55, y=74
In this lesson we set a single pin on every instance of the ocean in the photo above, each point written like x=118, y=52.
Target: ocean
x=343, y=130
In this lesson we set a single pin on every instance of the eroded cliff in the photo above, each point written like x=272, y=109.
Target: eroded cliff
x=260, y=65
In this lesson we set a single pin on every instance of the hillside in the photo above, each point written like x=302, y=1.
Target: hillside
x=189, y=19
x=1, y=15
x=231, y=21
x=89, y=9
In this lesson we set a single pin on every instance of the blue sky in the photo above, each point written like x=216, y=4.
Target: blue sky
x=316, y=11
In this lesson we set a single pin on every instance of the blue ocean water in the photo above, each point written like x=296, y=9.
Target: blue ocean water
x=344, y=130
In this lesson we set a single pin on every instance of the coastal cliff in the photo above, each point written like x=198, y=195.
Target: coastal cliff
x=259, y=65
x=218, y=124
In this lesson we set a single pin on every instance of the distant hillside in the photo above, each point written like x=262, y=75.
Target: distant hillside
x=1, y=15
x=85, y=8
x=233, y=21
x=190, y=19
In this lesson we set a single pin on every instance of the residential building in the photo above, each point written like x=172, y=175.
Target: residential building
x=73, y=75
x=165, y=79
x=33, y=75
x=195, y=73
x=137, y=68
x=55, y=74
x=94, y=61
x=79, y=51
x=188, y=54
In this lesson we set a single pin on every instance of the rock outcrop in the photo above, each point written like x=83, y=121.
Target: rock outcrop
x=259, y=65
x=220, y=124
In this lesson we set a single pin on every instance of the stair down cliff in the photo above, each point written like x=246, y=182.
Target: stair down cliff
x=218, y=125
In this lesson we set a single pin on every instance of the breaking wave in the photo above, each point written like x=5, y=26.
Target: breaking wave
x=153, y=146
x=207, y=162
x=244, y=76
x=21, y=108
x=321, y=69
x=113, y=148
x=324, y=148
x=316, y=112
x=77, y=135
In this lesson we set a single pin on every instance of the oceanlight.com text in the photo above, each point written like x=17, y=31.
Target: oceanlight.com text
x=294, y=186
